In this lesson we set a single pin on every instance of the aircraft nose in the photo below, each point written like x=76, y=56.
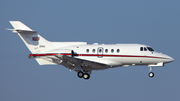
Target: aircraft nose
x=168, y=58
x=171, y=59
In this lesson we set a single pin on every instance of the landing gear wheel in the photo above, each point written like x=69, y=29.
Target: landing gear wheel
x=86, y=76
x=80, y=74
x=151, y=74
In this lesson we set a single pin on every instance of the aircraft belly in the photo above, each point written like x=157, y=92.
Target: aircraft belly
x=94, y=68
x=106, y=61
x=139, y=61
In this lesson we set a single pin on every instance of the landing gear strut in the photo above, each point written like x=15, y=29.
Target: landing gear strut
x=85, y=75
x=151, y=74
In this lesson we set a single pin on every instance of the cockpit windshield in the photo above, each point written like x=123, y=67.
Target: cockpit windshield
x=150, y=49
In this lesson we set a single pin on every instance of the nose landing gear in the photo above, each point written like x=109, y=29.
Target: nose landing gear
x=151, y=74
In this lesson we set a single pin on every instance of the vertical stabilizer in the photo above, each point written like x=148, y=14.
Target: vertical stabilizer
x=34, y=42
x=20, y=26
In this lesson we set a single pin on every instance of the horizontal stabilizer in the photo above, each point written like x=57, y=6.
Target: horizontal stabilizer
x=19, y=27
x=22, y=31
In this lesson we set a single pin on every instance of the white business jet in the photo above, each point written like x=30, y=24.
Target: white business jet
x=83, y=58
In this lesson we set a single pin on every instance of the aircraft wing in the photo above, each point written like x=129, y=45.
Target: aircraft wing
x=67, y=61
x=83, y=64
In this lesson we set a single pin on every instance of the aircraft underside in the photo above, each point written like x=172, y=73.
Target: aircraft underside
x=83, y=67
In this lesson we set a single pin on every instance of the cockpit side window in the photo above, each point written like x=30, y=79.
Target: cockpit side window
x=141, y=48
x=145, y=49
x=150, y=49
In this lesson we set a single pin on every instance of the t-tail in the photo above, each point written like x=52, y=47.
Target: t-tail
x=34, y=42
x=40, y=46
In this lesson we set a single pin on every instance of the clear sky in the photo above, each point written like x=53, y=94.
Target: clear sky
x=152, y=22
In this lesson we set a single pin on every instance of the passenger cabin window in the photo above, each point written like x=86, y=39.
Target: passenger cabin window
x=112, y=50
x=93, y=50
x=87, y=50
x=106, y=50
x=118, y=50
x=100, y=50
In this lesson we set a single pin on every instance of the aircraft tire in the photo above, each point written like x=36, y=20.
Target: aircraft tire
x=86, y=76
x=151, y=74
x=80, y=74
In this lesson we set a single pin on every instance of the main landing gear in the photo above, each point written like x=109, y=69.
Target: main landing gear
x=84, y=75
x=151, y=74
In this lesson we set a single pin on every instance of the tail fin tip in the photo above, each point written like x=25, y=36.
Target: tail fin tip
x=18, y=25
